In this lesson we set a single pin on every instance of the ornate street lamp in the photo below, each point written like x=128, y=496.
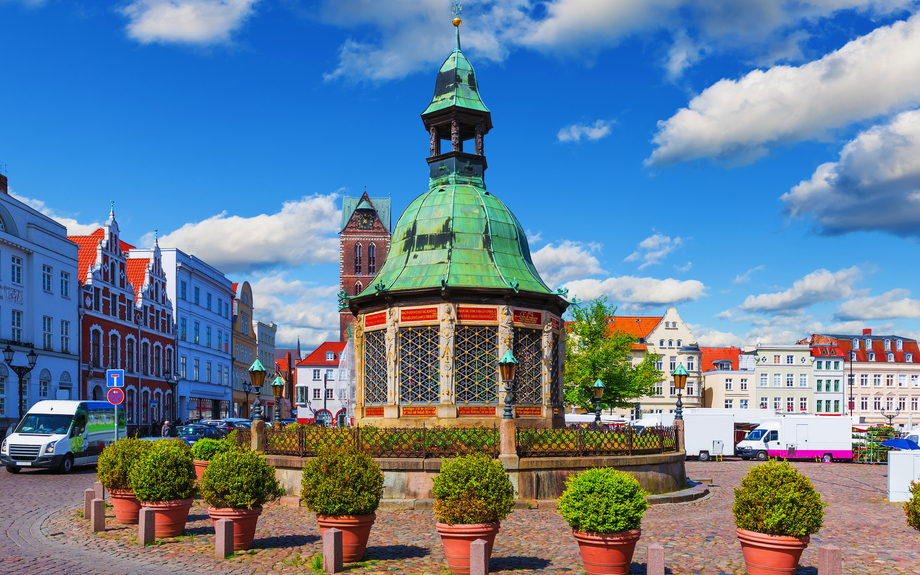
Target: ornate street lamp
x=598, y=389
x=680, y=381
x=507, y=367
x=21, y=371
x=247, y=389
x=257, y=375
x=172, y=382
x=890, y=418
x=277, y=388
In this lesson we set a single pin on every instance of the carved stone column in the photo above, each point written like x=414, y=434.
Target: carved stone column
x=446, y=347
x=359, y=362
x=435, y=142
x=547, y=362
x=392, y=357
x=480, y=146
x=505, y=343
x=455, y=144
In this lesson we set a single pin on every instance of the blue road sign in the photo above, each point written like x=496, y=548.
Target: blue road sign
x=116, y=396
x=115, y=377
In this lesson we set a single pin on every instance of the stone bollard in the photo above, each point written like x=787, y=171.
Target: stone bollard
x=679, y=428
x=655, y=563
x=146, y=526
x=223, y=541
x=507, y=429
x=99, y=490
x=88, y=496
x=332, y=551
x=829, y=560
x=479, y=557
x=98, y=520
x=258, y=434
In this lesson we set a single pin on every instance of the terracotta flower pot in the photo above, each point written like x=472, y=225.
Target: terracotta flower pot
x=244, y=524
x=771, y=554
x=127, y=507
x=457, y=540
x=607, y=553
x=355, y=531
x=170, y=516
x=200, y=466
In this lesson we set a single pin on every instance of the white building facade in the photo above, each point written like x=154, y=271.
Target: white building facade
x=38, y=307
x=784, y=378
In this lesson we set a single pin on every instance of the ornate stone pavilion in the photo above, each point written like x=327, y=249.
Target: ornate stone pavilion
x=457, y=289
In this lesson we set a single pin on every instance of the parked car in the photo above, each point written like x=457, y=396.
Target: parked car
x=221, y=424
x=192, y=433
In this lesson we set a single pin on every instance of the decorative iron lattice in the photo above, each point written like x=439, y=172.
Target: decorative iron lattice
x=528, y=382
x=476, y=364
x=555, y=385
x=243, y=438
x=419, y=368
x=428, y=442
x=584, y=442
x=375, y=368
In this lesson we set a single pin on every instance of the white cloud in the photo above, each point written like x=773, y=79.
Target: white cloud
x=684, y=53
x=576, y=132
x=874, y=186
x=876, y=74
x=567, y=261
x=746, y=276
x=300, y=309
x=186, y=21
x=74, y=228
x=818, y=286
x=685, y=268
x=709, y=337
x=638, y=293
x=532, y=237
x=303, y=232
x=895, y=304
x=653, y=249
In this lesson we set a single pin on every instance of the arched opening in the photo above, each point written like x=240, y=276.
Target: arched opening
x=372, y=259
x=358, y=259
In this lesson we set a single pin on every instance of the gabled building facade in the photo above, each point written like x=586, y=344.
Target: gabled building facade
x=126, y=323
x=319, y=395
x=39, y=299
x=728, y=378
x=364, y=240
x=783, y=375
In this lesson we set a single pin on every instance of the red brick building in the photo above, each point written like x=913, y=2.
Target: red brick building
x=364, y=241
x=126, y=323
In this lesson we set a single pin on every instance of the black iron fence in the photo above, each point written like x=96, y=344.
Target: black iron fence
x=585, y=442
x=438, y=442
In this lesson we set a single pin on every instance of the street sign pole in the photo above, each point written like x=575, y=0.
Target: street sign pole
x=116, y=423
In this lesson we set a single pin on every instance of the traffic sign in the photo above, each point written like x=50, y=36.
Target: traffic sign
x=116, y=396
x=115, y=378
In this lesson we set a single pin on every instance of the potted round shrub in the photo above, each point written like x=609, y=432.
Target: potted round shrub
x=115, y=463
x=164, y=480
x=236, y=484
x=912, y=506
x=604, y=508
x=343, y=486
x=776, y=510
x=204, y=451
x=472, y=494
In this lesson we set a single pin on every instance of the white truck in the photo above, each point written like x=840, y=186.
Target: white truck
x=799, y=437
x=710, y=432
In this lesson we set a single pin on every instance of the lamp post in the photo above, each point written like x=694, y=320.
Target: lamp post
x=247, y=389
x=172, y=382
x=507, y=367
x=680, y=381
x=257, y=375
x=890, y=418
x=277, y=388
x=598, y=389
x=21, y=371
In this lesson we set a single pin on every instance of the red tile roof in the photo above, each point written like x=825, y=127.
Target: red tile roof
x=827, y=351
x=878, y=346
x=87, y=253
x=281, y=364
x=137, y=271
x=712, y=355
x=637, y=326
x=318, y=357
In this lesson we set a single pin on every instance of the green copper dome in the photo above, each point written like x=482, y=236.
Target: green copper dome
x=458, y=235
x=456, y=85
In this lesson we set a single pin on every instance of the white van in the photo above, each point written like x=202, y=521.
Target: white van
x=61, y=434
x=800, y=437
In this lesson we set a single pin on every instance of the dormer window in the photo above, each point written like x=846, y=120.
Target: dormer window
x=890, y=357
x=856, y=343
x=887, y=345
x=899, y=344
x=852, y=356
x=909, y=357
x=330, y=356
x=868, y=344
x=871, y=356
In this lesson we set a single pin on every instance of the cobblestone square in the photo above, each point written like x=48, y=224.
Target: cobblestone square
x=44, y=533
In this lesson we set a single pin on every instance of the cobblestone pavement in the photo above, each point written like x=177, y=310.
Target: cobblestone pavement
x=698, y=536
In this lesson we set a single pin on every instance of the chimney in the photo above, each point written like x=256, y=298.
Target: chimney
x=3, y=185
x=867, y=331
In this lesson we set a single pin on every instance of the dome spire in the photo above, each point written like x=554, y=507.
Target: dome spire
x=455, y=9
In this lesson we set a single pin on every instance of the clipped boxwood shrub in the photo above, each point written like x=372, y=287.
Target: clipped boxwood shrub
x=231, y=440
x=116, y=460
x=775, y=499
x=207, y=449
x=912, y=506
x=239, y=479
x=164, y=473
x=341, y=481
x=472, y=489
x=603, y=500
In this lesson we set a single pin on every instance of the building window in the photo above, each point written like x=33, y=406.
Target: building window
x=183, y=289
x=803, y=380
x=16, y=276
x=763, y=403
x=914, y=380
x=113, y=351
x=790, y=379
x=197, y=293
x=691, y=363
x=777, y=380
x=316, y=393
x=207, y=371
x=902, y=403
x=744, y=384
x=818, y=406
x=197, y=332
x=763, y=380
x=358, y=259
x=728, y=384
x=887, y=345
x=46, y=333
x=182, y=366
x=207, y=332
x=890, y=357
x=129, y=355
x=673, y=363
x=902, y=380
x=17, y=325
x=913, y=403
x=856, y=343
x=145, y=358
x=743, y=403
x=330, y=356
x=728, y=403
x=899, y=344
x=836, y=385
x=818, y=364
x=803, y=404
x=678, y=343
x=871, y=356
x=661, y=344
x=157, y=363
x=330, y=394
x=790, y=404
x=778, y=403
x=889, y=380
x=777, y=359
x=65, y=336
x=371, y=259
x=658, y=390
x=876, y=380
x=670, y=343
x=207, y=299
x=329, y=375
x=195, y=365
x=182, y=328
x=864, y=379
x=65, y=284
x=909, y=357
x=864, y=403
x=46, y=278
x=889, y=403
x=877, y=403
x=790, y=360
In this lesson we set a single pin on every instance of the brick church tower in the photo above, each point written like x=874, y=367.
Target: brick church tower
x=363, y=245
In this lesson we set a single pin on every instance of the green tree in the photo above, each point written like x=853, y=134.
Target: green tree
x=594, y=351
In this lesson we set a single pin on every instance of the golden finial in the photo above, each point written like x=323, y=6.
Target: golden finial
x=455, y=9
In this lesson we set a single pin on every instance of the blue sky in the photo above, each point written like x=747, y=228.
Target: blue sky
x=756, y=164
